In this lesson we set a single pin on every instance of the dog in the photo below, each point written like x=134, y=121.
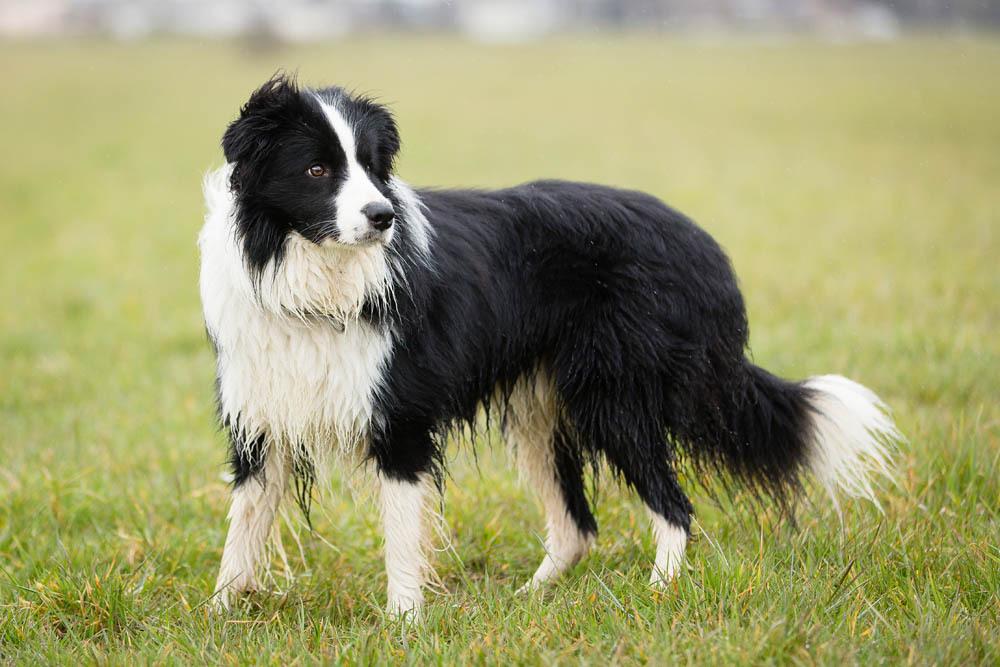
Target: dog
x=352, y=315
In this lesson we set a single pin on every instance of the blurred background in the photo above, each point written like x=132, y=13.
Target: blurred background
x=846, y=154
x=489, y=20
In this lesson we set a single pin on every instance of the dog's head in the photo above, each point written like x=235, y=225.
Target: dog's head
x=312, y=162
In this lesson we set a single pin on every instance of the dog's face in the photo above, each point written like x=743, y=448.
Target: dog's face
x=316, y=163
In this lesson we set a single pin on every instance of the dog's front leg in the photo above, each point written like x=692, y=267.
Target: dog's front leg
x=257, y=491
x=403, y=520
x=407, y=478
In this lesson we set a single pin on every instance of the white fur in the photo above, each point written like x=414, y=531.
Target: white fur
x=414, y=214
x=251, y=516
x=531, y=418
x=306, y=383
x=853, y=437
x=300, y=380
x=671, y=540
x=403, y=518
x=357, y=190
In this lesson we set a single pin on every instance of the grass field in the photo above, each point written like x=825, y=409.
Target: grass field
x=857, y=189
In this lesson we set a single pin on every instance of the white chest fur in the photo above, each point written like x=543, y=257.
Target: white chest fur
x=302, y=381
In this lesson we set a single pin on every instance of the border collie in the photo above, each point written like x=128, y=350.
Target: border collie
x=353, y=315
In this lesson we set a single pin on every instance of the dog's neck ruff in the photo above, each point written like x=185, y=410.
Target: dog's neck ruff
x=310, y=282
x=297, y=363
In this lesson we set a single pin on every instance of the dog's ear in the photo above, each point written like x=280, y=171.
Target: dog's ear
x=376, y=122
x=249, y=138
x=388, y=132
x=389, y=135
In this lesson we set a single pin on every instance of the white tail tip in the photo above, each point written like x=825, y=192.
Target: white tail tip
x=853, y=437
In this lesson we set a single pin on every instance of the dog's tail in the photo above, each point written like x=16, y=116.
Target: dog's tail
x=829, y=426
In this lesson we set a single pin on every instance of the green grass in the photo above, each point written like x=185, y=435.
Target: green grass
x=856, y=188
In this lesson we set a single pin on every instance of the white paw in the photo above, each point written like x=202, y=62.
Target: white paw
x=529, y=587
x=220, y=602
x=229, y=591
x=405, y=608
x=227, y=597
x=660, y=579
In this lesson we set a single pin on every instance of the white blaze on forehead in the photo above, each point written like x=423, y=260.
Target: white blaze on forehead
x=343, y=129
x=357, y=190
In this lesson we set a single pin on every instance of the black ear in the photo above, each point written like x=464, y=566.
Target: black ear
x=391, y=140
x=249, y=138
x=389, y=133
x=377, y=122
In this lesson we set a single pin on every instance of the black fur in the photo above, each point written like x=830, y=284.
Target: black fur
x=630, y=308
x=246, y=452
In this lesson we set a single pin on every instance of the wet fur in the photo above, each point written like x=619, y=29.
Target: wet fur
x=612, y=314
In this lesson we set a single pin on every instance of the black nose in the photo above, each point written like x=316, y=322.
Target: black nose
x=380, y=214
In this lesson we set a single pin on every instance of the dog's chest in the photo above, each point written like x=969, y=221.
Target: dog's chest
x=300, y=381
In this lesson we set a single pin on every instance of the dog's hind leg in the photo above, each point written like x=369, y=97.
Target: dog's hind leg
x=647, y=470
x=549, y=462
x=259, y=484
x=620, y=414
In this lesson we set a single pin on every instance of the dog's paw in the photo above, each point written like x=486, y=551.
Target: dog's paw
x=528, y=587
x=221, y=601
x=661, y=580
x=224, y=599
x=405, y=609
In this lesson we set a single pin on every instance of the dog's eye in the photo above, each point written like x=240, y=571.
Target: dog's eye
x=316, y=171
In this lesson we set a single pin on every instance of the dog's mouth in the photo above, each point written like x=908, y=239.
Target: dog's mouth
x=372, y=238
x=366, y=240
